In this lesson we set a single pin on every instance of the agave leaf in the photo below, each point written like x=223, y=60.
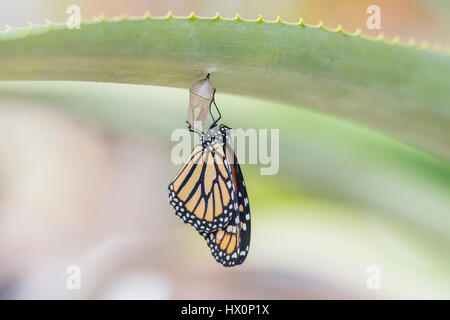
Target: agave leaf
x=399, y=88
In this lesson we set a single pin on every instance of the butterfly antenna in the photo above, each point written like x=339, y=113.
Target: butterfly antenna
x=193, y=130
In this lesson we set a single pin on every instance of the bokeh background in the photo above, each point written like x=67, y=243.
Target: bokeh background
x=84, y=169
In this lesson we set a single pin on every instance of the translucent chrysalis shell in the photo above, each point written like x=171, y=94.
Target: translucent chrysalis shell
x=201, y=96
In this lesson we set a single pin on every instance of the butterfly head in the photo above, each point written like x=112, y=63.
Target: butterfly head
x=216, y=135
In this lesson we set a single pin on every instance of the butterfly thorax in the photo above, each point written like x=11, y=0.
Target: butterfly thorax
x=215, y=135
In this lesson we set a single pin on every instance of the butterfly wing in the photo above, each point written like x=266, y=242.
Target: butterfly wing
x=230, y=245
x=202, y=193
x=244, y=212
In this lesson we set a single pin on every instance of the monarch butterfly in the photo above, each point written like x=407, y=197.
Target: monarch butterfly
x=209, y=193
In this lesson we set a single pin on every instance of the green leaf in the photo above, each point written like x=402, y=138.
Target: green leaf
x=400, y=89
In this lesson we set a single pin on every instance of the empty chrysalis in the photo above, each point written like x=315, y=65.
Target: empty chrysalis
x=201, y=97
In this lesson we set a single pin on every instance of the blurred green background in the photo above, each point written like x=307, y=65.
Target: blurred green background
x=84, y=169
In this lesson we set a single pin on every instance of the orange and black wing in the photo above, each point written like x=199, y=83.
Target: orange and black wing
x=202, y=192
x=230, y=245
